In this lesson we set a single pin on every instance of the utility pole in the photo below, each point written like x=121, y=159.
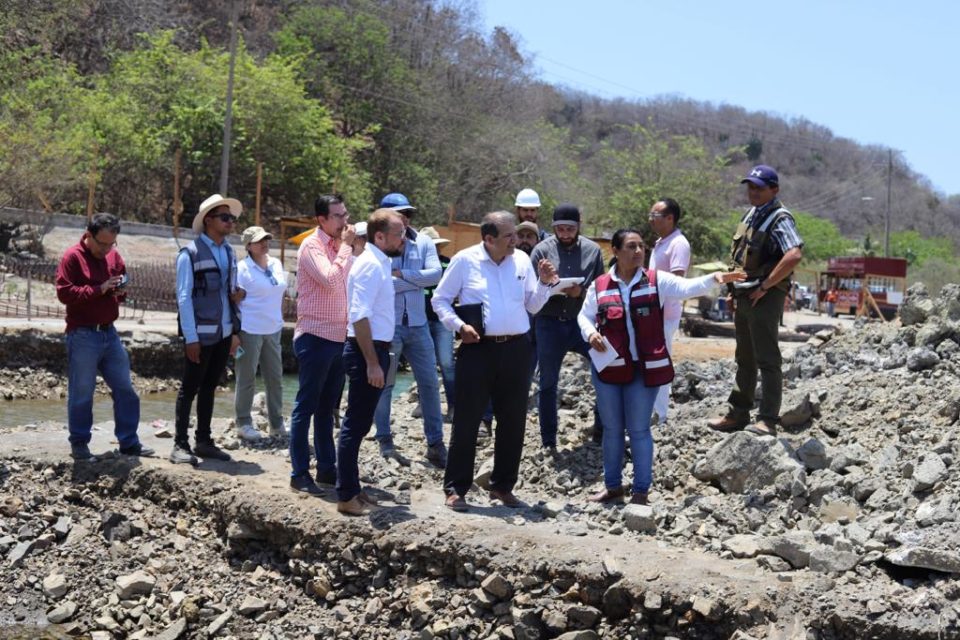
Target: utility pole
x=886, y=226
x=228, y=120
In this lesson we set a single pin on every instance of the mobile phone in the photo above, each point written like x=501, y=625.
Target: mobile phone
x=124, y=279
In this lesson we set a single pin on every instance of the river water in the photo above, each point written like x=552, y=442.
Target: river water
x=153, y=406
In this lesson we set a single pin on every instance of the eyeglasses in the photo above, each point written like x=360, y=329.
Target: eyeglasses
x=105, y=245
x=654, y=216
x=227, y=217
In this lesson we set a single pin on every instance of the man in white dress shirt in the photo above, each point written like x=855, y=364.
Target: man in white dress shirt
x=671, y=253
x=366, y=353
x=493, y=360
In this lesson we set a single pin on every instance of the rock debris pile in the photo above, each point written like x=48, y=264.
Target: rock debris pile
x=851, y=510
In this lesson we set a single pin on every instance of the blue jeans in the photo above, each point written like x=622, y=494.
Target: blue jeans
x=417, y=345
x=443, y=347
x=555, y=337
x=626, y=408
x=90, y=351
x=361, y=402
x=321, y=380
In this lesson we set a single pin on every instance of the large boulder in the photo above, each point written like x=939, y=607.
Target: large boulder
x=917, y=305
x=743, y=462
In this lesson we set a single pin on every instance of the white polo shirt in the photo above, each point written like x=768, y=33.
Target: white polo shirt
x=508, y=291
x=671, y=253
x=370, y=294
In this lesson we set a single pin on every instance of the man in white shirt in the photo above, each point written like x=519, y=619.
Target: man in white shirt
x=671, y=253
x=493, y=359
x=366, y=354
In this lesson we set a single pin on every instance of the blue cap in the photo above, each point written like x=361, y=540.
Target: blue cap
x=762, y=176
x=397, y=202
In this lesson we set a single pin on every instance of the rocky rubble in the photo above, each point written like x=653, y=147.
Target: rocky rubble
x=851, y=508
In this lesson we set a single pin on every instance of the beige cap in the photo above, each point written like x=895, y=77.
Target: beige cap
x=431, y=233
x=526, y=224
x=254, y=234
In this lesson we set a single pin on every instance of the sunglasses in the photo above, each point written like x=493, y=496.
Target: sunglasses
x=226, y=217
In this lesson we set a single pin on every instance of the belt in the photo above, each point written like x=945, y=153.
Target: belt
x=383, y=344
x=500, y=339
x=97, y=327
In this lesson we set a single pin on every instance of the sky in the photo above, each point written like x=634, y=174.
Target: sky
x=879, y=72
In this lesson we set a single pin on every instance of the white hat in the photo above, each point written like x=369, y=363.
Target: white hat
x=431, y=233
x=527, y=198
x=360, y=229
x=211, y=203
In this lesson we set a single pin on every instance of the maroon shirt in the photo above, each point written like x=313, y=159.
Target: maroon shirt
x=79, y=276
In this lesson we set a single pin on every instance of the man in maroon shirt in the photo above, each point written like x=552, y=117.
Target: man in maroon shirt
x=90, y=280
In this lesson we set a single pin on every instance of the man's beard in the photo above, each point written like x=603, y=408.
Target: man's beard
x=525, y=247
x=568, y=243
x=394, y=253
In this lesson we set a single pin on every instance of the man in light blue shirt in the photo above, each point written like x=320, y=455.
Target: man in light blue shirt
x=209, y=323
x=416, y=269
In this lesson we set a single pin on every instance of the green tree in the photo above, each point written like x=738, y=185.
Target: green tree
x=655, y=165
x=919, y=250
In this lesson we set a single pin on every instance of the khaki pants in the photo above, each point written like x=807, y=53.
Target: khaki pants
x=757, y=329
x=262, y=350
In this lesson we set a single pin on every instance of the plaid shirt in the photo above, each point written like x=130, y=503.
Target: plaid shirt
x=322, y=267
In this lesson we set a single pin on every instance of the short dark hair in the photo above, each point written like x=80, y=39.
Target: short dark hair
x=489, y=224
x=101, y=221
x=671, y=207
x=380, y=220
x=322, y=206
x=617, y=240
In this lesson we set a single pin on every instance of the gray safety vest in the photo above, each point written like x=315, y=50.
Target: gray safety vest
x=207, y=283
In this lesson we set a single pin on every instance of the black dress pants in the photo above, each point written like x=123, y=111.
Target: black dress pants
x=489, y=371
x=200, y=381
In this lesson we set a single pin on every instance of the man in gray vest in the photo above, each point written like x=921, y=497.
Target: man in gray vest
x=767, y=247
x=209, y=324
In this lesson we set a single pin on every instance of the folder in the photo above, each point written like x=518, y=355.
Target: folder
x=472, y=314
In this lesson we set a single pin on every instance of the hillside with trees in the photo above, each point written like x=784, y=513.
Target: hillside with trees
x=370, y=96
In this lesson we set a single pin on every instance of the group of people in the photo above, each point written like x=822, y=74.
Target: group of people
x=371, y=292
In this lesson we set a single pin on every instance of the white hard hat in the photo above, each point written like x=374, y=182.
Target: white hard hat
x=360, y=229
x=527, y=198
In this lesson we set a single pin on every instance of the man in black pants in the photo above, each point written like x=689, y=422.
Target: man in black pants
x=493, y=359
x=209, y=324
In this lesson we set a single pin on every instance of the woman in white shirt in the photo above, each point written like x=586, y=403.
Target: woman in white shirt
x=625, y=400
x=264, y=282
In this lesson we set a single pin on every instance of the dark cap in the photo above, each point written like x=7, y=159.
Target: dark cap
x=762, y=176
x=566, y=214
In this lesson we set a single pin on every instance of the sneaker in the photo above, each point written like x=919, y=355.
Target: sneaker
x=182, y=455
x=249, y=433
x=437, y=454
x=386, y=447
x=639, y=498
x=305, y=484
x=138, y=450
x=328, y=478
x=81, y=453
x=448, y=418
x=211, y=451
x=417, y=412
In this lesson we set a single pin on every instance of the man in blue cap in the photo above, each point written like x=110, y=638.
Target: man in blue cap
x=767, y=247
x=416, y=269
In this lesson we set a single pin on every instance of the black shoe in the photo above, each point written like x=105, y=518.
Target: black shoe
x=328, y=478
x=437, y=454
x=138, y=450
x=387, y=448
x=305, y=484
x=81, y=453
x=212, y=451
x=182, y=455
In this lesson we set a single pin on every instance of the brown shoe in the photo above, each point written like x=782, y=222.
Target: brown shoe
x=353, y=507
x=366, y=498
x=456, y=503
x=608, y=495
x=639, y=498
x=762, y=428
x=506, y=497
x=728, y=423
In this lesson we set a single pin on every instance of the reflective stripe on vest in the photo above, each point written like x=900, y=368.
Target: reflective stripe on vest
x=646, y=316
